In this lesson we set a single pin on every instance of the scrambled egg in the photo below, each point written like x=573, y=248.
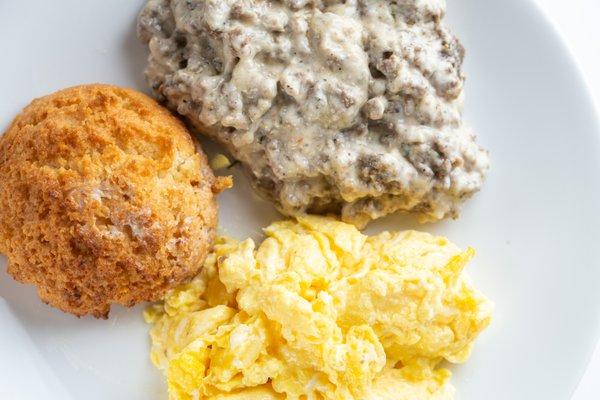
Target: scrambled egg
x=320, y=311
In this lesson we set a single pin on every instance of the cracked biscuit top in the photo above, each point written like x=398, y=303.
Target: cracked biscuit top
x=105, y=199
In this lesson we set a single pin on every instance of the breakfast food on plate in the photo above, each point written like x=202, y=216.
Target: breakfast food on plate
x=352, y=107
x=105, y=199
x=320, y=311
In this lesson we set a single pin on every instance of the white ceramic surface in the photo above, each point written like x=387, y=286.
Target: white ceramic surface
x=577, y=21
x=535, y=224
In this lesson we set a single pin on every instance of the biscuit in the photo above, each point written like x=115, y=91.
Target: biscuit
x=105, y=199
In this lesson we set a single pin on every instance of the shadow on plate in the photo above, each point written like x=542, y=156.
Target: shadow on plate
x=135, y=55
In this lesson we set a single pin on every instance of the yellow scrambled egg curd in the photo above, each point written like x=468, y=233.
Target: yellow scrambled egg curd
x=320, y=311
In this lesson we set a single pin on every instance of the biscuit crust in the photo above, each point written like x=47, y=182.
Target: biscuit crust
x=105, y=199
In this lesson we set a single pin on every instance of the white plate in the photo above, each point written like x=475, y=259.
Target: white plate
x=535, y=224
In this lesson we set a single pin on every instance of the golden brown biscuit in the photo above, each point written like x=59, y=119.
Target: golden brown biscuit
x=104, y=199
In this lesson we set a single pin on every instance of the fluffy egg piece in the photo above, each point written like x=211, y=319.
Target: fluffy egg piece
x=320, y=311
